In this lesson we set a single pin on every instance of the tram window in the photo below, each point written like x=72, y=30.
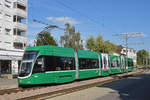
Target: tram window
x=53, y=63
x=82, y=64
x=130, y=63
x=65, y=63
x=94, y=63
x=38, y=66
x=88, y=63
x=113, y=63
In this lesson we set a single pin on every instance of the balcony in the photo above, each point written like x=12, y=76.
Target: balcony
x=20, y=26
x=22, y=2
x=19, y=39
x=21, y=12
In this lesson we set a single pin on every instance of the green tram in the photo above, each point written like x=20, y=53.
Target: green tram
x=51, y=64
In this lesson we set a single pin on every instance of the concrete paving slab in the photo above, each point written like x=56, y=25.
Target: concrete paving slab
x=8, y=83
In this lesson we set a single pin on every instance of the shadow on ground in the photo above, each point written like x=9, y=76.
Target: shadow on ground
x=131, y=88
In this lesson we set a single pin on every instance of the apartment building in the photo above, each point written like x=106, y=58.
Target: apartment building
x=13, y=34
x=131, y=53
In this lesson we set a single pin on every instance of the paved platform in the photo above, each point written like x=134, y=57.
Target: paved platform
x=8, y=83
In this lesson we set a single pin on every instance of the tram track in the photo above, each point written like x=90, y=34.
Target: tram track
x=65, y=91
x=75, y=89
x=43, y=96
x=15, y=90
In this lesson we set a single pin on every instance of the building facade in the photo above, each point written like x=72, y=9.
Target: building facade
x=13, y=34
x=131, y=53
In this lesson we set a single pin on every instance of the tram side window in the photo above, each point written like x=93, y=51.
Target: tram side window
x=53, y=63
x=88, y=63
x=38, y=66
x=65, y=63
x=113, y=63
x=94, y=63
x=50, y=63
x=130, y=63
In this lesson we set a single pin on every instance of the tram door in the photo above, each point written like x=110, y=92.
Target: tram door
x=105, y=62
x=122, y=63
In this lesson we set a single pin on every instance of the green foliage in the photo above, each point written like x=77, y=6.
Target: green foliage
x=109, y=47
x=90, y=43
x=47, y=36
x=99, y=45
x=71, y=39
x=142, y=56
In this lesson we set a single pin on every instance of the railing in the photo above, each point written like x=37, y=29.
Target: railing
x=24, y=2
x=20, y=39
x=20, y=26
x=21, y=12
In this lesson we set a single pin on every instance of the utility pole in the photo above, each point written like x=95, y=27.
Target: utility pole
x=127, y=36
x=127, y=49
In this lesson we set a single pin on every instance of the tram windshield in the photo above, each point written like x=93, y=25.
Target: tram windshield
x=25, y=69
x=27, y=62
x=30, y=55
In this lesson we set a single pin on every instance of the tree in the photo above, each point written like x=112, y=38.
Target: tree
x=99, y=45
x=47, y=36
x=71, y=39
x=142, y=56
x=109, y=47
x=90, y=43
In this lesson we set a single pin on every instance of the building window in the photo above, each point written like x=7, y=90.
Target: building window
x=8, y=42
x=8, y=6
x=5, y=66
x=18, y=32
x=16, y=5
x=19, y=19
x=7, y=31
x=7, y=15
x=18, y=45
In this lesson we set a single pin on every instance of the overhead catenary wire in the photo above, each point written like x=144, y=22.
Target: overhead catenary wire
x=82, y=14
x=127, y=36
x=76, y=11
x=48, y=26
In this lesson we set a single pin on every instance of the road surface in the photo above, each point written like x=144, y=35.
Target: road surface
x=132, y=88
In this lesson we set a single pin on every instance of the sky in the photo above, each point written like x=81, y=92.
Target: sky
x=93, y=17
